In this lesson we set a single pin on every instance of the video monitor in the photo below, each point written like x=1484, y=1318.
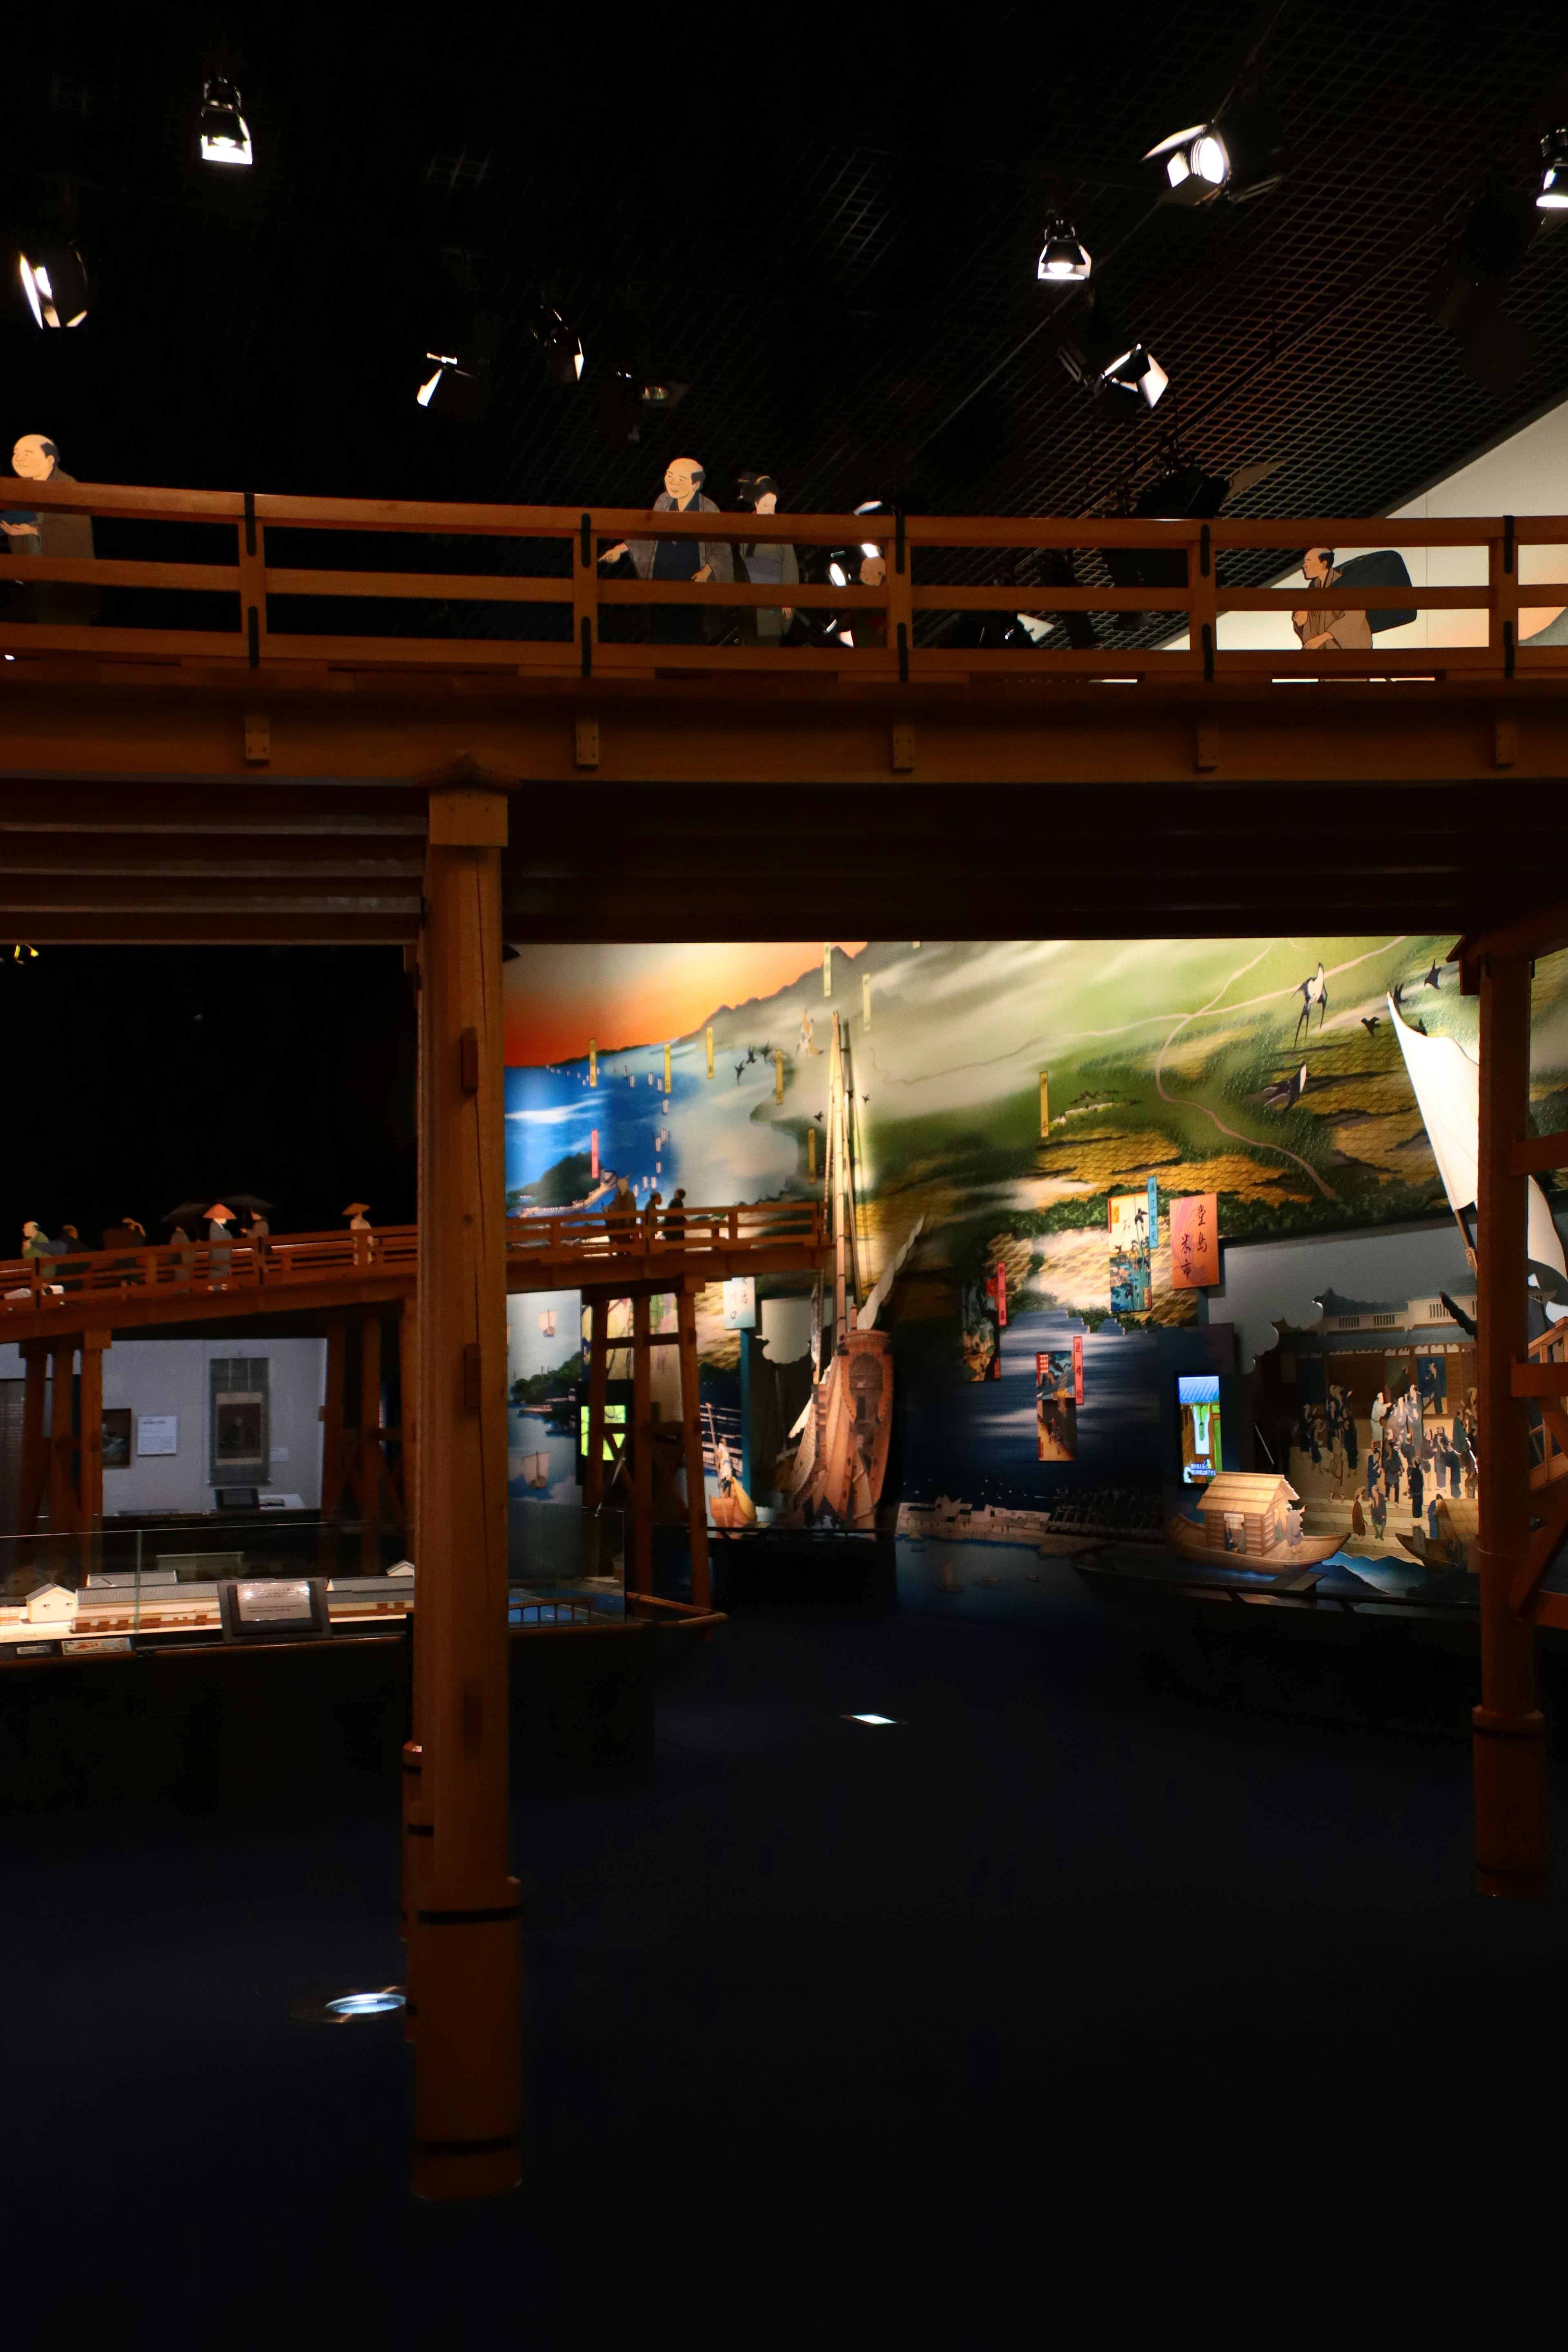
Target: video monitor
x=1197, y=1399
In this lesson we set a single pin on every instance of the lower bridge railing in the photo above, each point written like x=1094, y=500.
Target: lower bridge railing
x=98, y=1285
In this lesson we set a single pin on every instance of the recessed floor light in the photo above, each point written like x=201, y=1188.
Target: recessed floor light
x=876, y=1719
x=348, y=2008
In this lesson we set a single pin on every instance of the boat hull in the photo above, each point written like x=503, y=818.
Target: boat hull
x=1192, y=1543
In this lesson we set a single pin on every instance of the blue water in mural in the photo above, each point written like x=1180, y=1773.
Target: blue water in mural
x=528, y=1437
x=552, y=1113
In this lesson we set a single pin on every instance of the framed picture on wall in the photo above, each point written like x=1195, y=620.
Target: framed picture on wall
x=116, y=1437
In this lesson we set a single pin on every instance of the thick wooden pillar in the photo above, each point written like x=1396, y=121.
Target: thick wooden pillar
x=692, y=1446
x=1509, y=1732
x=642, y=1447
x=370, y=1454
x=89, y=1442
x=598, y=1374
x=34, y=1475
x=465, y=1946
x=408, y=1422
x=62, y=1487
x=331, y=1446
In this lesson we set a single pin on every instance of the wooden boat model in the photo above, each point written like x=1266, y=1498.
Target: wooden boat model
x=842, y=1457
x=843, y=1453
x=1192, y=1542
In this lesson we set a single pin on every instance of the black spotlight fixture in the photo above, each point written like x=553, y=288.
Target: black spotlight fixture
x=222, y=133
x=453, y=388
x=1240, y=154
x=1065, y=259
x=1554, y=197
x=54, y=279
x=560, y=344
x=1098, y=354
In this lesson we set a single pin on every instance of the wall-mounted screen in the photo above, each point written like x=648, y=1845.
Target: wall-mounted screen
x=1197, y=1398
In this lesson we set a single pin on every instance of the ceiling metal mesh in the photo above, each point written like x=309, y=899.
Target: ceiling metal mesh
x=826, y=229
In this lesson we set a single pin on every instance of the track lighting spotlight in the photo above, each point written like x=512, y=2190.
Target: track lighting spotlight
x=1554, y=197
x=455, y=389
x=560, y=344
x=1240, y=154
x=1065, y=259
x=222, y=133
x=54, y=279
x=1097, y=354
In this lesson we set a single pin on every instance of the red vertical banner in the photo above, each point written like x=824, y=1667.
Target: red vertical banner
x=1195, y=1241
x=1077, y=1369
x=593, y=1148
x=1001, y=1295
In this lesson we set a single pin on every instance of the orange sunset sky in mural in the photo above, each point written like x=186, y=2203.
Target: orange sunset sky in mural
x=558, y=997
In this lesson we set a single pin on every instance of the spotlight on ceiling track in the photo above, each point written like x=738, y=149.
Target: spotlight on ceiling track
x=454, y=389
x=54, y=279
x=1065, y=259
x=1097, y=354
x=559, y=345
x=222, y=133
x=1240, y=154
x=1554, y=197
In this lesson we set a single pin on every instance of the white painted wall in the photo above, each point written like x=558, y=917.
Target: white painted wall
x=169, y=1376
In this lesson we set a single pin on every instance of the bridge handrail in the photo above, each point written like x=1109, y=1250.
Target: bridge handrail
x=69, y=1280
x=889, y=608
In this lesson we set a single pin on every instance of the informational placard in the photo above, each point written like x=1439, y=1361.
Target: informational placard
x=741, y=1303
x=158, y=1433
x=1194, y=1241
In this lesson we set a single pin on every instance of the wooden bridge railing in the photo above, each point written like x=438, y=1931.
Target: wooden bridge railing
x=92, y=1285
x=597, y=1235
x=547, y=622
x=76, y=1279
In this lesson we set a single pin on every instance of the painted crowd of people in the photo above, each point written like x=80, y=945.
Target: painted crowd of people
x=1412, y=1459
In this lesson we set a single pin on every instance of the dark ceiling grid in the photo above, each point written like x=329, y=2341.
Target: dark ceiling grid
x=832, y=285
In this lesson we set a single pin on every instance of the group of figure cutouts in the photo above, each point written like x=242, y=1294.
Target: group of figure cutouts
x=1409, y=1456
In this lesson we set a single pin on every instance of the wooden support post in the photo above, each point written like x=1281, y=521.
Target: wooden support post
x=34, y=1475
x=331, y=1448
x=642, y=1447
x=90, y=1474
x=62, y=1485
x=1509, y=1735
x=408, y=1422
x=370, y=1455
x=692, y=1447
x=598, y=1374
x=466, y=1945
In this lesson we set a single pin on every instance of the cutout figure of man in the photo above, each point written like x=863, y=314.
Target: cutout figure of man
x=39, y=531
x=696, y=560
x=1351, y=632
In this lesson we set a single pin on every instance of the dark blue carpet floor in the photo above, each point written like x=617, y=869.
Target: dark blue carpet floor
x=1075, y=2009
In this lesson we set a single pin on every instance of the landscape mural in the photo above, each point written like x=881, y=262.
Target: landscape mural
x=1025, y=1112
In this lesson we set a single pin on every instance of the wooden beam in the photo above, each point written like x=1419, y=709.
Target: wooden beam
x=1509, y=1733
x=89, y=1442
x=371, y=1464
x=642, y=1449
x=598, y=1377
x=465, y=1933
x=33, y=1484
x=1540, y=1152
x=333, y=1444
x=62, y=1485
x=692, y=1446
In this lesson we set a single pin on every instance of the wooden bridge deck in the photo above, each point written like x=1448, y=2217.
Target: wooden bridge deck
x=265, y=776
x=128, y=1290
